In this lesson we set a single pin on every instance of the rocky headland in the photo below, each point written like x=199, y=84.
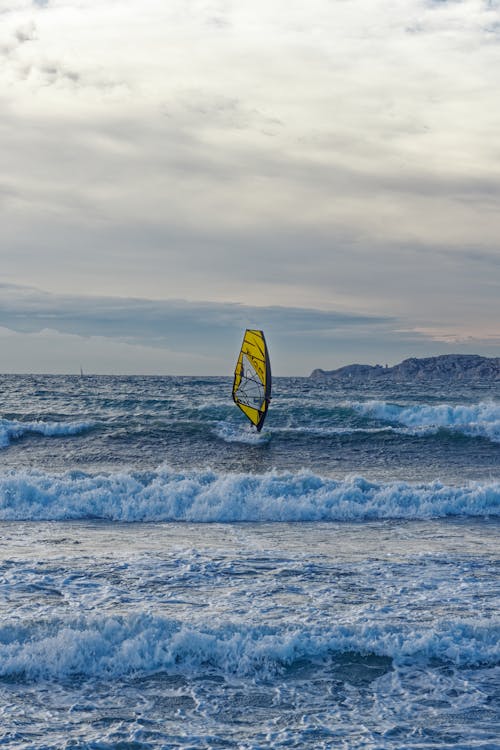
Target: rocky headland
x=451, y=367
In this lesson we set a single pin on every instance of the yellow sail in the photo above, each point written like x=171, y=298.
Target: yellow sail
x=252, y=378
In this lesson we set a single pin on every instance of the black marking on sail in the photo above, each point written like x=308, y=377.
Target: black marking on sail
x=250, y=390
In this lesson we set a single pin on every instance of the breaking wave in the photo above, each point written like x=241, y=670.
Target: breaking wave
x=13, y=429
x=138, y=643
x=474, y=420
x=205, y=496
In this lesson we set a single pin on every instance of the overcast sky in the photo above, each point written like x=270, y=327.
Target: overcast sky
x=173, y=172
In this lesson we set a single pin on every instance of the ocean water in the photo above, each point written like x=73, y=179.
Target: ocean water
x=171, y=579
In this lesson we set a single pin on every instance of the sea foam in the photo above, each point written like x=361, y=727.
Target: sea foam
x=116, y=645
x=13, y=429
x=231, y=433
x=473, y=420
x=205, y=496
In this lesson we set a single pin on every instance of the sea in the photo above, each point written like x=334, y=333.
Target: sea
x=172, y=579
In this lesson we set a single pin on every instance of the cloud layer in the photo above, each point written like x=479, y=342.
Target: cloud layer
x=342, y=156
x=127, y=335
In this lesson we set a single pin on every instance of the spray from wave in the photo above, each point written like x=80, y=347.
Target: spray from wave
x=113, y=646
x=13, y=429
x=205, y=496
x=231, y=433
x=474, y=420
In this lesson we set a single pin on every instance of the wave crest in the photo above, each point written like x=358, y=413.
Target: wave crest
x=113, y=646
x=13, y=429
x=473, y=420
x=204, y=496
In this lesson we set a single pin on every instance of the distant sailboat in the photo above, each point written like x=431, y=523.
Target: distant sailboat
x=81, y=371
x=252, y=378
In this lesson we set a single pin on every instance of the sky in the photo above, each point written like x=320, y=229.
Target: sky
x=172, y=172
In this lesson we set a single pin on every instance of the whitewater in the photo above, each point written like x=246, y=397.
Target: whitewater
x=172, y=579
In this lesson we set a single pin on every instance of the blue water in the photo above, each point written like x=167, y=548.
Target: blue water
x=171, y=579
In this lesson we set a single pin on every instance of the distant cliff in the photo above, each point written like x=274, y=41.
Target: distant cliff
x=463, y=367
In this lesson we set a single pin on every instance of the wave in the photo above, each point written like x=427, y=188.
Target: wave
x=205, y=496
x=13, y=429
x=137, y=643
x=231, y=433
x=331, y=431
x=473, y=420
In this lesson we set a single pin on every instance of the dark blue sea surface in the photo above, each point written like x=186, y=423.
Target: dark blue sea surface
x=172, y=579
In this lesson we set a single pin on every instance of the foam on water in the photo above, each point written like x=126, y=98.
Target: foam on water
x=473, y=420
x=203, y=496
x=14, y=429
x=328, y=432
x=113, y=646
x=258, y=635
x=247, y=435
